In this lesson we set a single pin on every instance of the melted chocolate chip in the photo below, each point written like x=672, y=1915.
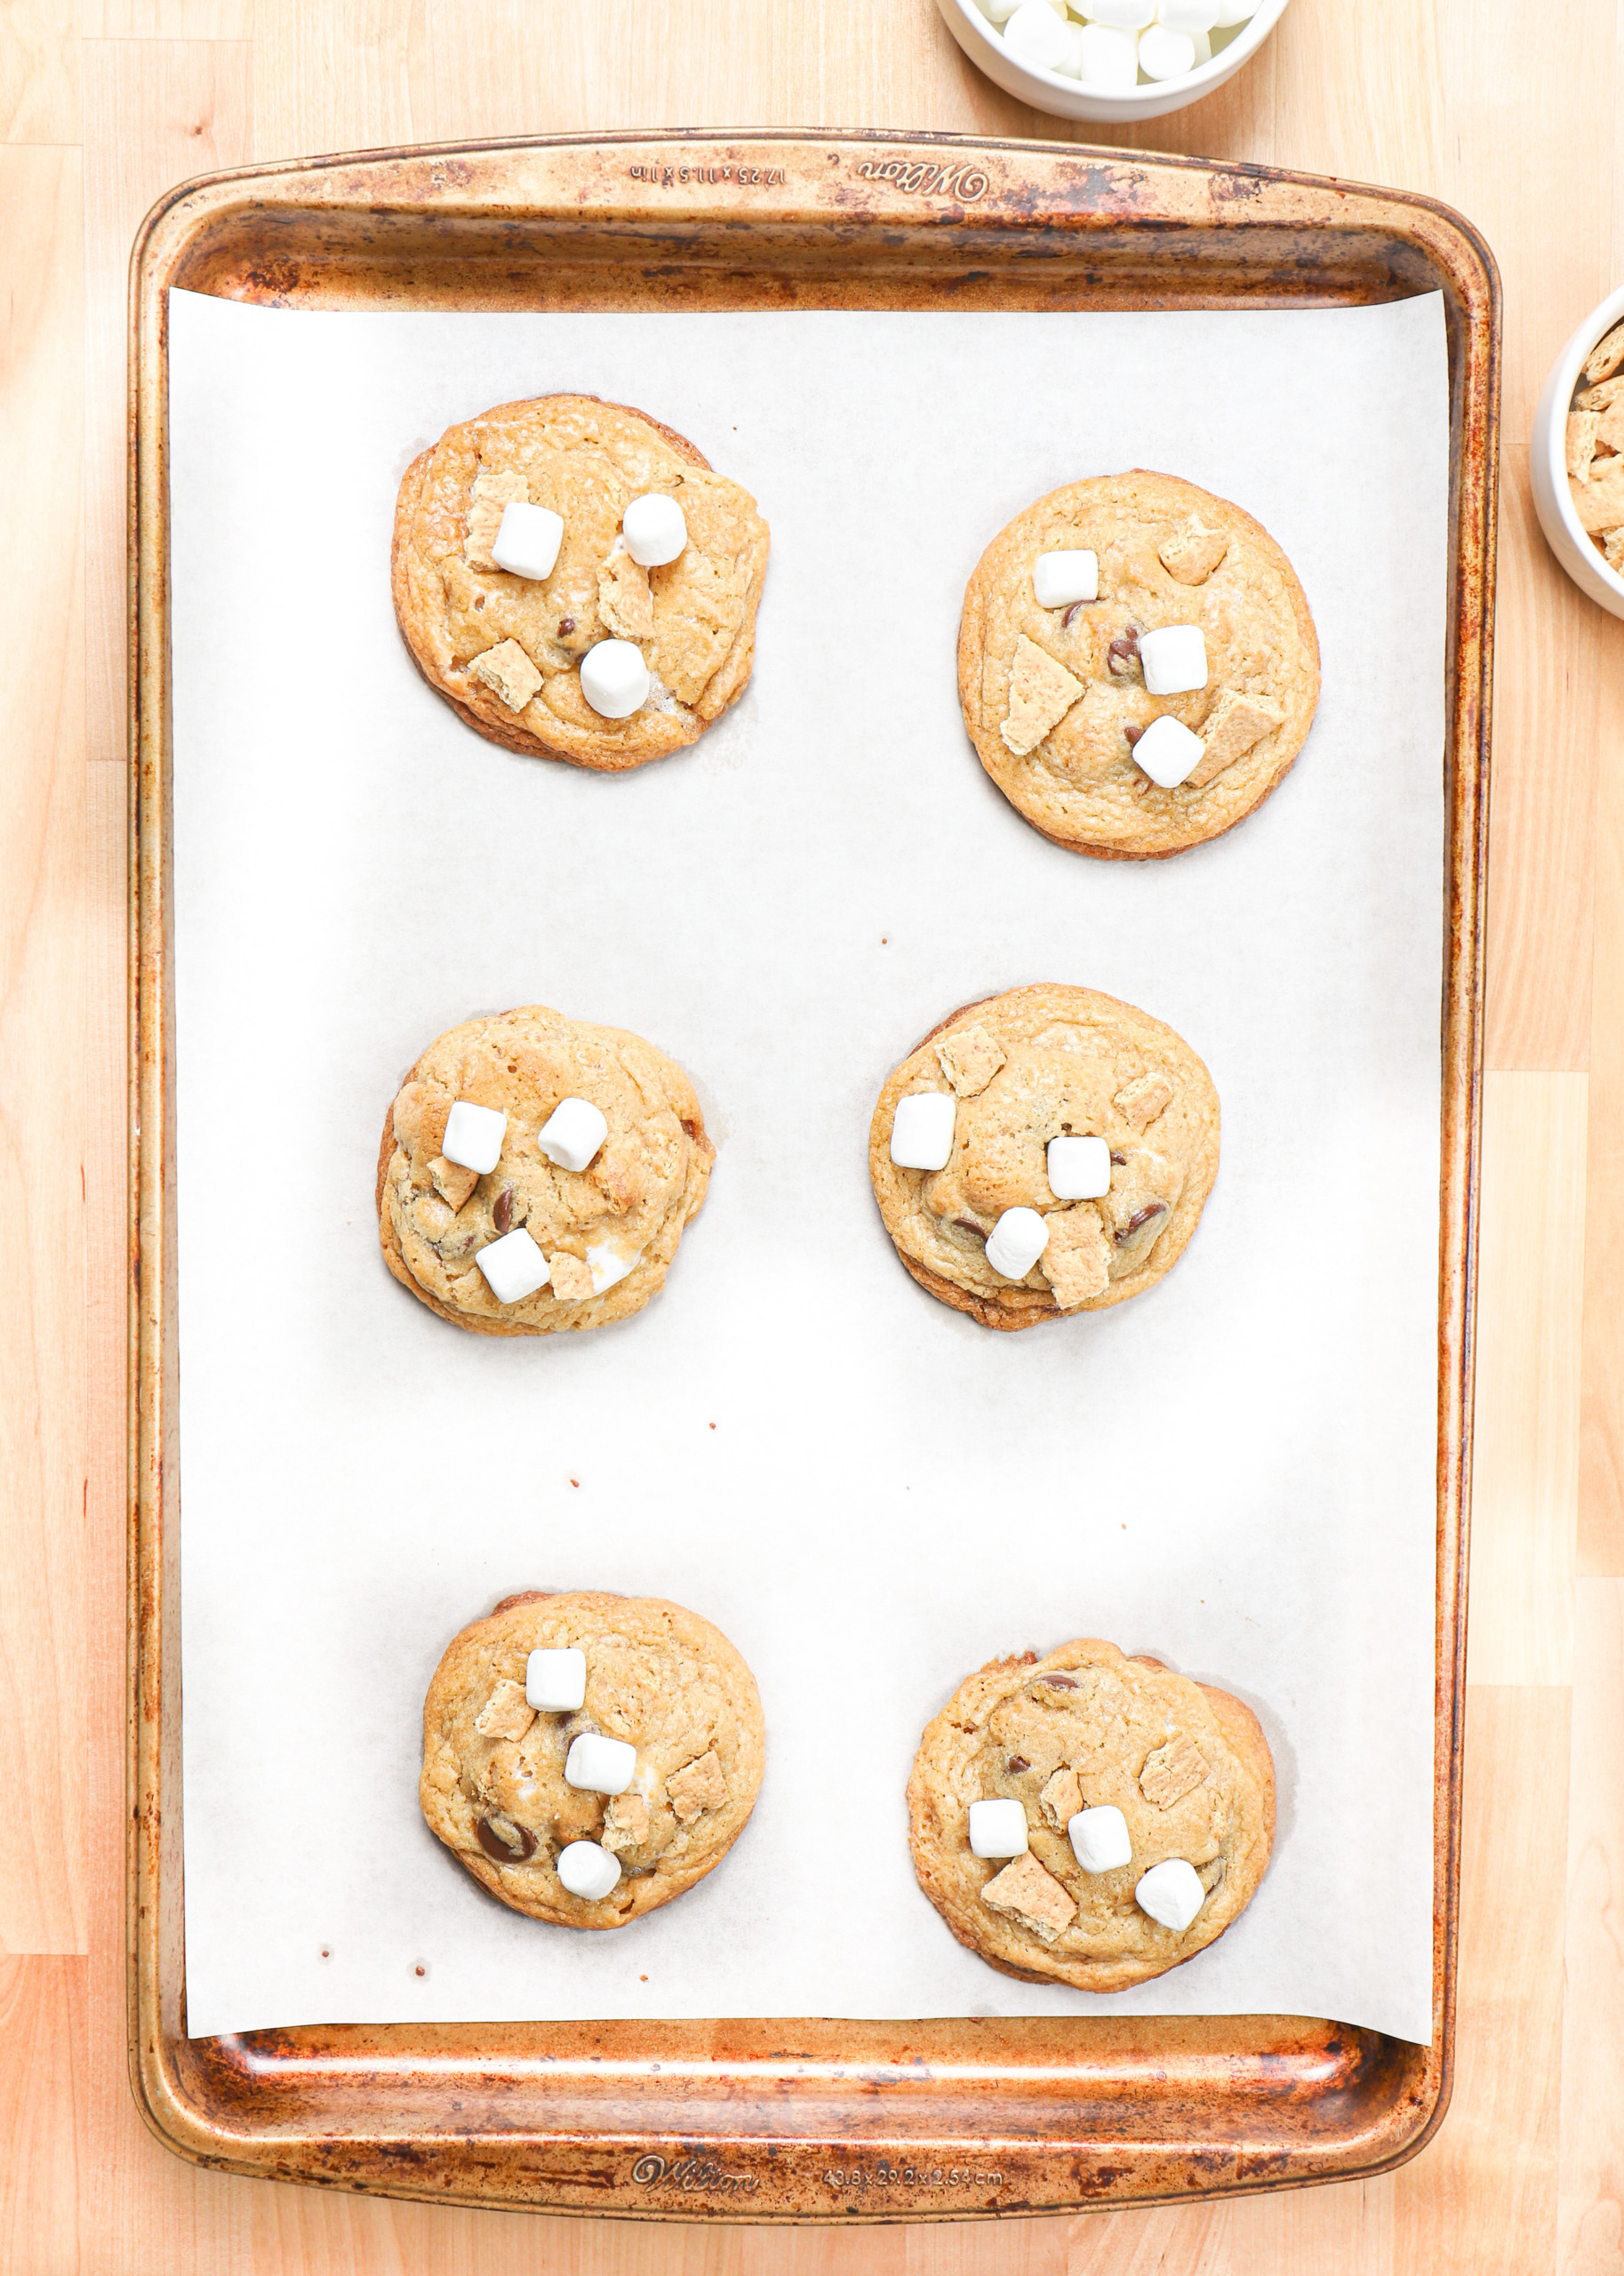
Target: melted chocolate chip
x=1071, y=612
x=1062, y=1682
x=1123, y=650
x=1121, y=1161
x=1018, y=1763
x=491, y=1841
x=1133, y=734
x=969, y=1225
x=692, y=1129
x=1140, y=1217
x=565, y=624
x=503, y=1212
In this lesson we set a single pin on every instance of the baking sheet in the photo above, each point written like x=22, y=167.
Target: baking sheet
x=1235, y=1472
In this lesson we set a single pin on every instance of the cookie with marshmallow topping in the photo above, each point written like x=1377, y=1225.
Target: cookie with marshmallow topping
x=1043, y=1152
x=589, y=1756
x=1090, y=1818
x=577, y=581
x=537, y=1173
x=1191, y=632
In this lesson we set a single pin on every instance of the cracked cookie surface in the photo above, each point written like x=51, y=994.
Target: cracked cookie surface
x=1030, y=1065
x=658, y=1678
x=1055, y=699
x=645, y=1183
x=1085, y=1728
x=505, y=651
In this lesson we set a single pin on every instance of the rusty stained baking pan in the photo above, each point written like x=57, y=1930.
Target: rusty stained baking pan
x=783, y=2119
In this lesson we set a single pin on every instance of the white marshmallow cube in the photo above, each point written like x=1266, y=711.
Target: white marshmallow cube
x=1186, y=15
x=1203, y=45
x=473, y=1136
x=1231, y=12
x=1070, y=65
x=1079, y=1168
x=607, y=1265
x=1016, y=1242
x=614, y=679
x=572, y=1134
x=1037, y=35
x=998, y=1828
x=1122, y=15
x=1174, y=660
x=1171, y=1892
x=1099, y=1838
x=1001, y=11
x=527, y=543
x=1168, y=751
x=555, y=1680
x=514, y=1267
x=587, y=1870
x=654, y=530
x=1164, y=54
x=599, y=1766
x=1109, y=59
x=922, y=1131
x=1059, y=578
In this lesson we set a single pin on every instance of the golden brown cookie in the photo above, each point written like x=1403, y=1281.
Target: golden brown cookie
x=506, y=650
x=605, y=1233
x=1022, y=1068
x=1055, y=699
x=1181, y=1773
x=500, y=1781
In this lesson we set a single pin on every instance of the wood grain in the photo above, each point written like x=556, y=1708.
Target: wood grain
x=1531, y=1247
x=1446, y=96
x=1590, y=2199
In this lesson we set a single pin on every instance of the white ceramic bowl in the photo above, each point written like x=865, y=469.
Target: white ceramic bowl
x=1070, y=99
x=1548, y=464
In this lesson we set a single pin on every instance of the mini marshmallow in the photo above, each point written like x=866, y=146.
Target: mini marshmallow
x=1001, y=11
x=587, y=1870
x=1059, y=578
x=614, y=679
x=599, y=1766
x=1016, y=1242
x=1186, y=15
x=1099, y=1839
x=1037, y=35
x=1110, y=59
x=1079, y=1168
x=654, y=530
x=1234, y=11
x=998, y=1828
x=474, y=1135
x=527, y=543
x=1070, y=65
x=572, y=1134
x=1174, y=660
x=555, y=1680
x=922, y=1130
x=514, y=1267
x=1122, y=15
x=1171, y=1892
x=607, y=1265
x=1164, y=54
x=1168, y=751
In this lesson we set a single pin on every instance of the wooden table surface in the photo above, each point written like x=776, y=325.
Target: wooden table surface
x=1508, y=112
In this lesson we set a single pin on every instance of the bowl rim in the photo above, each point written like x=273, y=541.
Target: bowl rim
x=1249, y=37
x=1562, y=380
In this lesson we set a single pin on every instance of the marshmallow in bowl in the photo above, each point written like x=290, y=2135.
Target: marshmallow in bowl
x=1037, y=35
x=1059, y=579
x=1164, y=54
x=1109, y=59
x=1186, y=15
x=1121, y=15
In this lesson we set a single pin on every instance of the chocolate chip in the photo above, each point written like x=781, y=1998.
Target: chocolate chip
x=503, y=1212
x=1018, y=1763
x=1071, y=612
x=1062, y=1682
x=692, y=1129
x=1121, y=1161
x=1140, y=1217
x=491, y=1841
x=1133, y=734
x=479, y=600
x=565, y=624
x=1123, y=650
x=969, y=1225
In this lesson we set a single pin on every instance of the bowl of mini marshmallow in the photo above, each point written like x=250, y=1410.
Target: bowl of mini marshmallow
x=1110, y=59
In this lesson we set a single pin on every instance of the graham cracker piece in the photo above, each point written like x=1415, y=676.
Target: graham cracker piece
x=453, y=1181
x=699, y=1785
x=1061, y=1799
x=1041, y=693
x=1076, y=1261
x=1192, y=551
x=507, y=1714
x=969, y=1058
x=1230, y=729
x=508, y=672
x=571, y=1278
x=624, y=600
x=1174, y=1771
x=1140, y=1101
x=1033, y=1896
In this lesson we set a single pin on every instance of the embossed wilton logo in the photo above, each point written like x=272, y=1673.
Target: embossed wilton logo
x=920, y=179
x=694, y=2172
